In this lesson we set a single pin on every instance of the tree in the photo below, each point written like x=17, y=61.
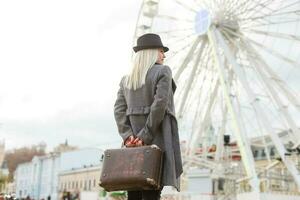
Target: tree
x=21, y=155
x=3, y=181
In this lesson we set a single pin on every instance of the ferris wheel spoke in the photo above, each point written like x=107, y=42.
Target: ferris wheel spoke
x=201, y=98
x=257, y=22
x=191, y=77
x=275, y=53
x=273, y=13
x=237, y=7
x=289, y=5
x=283, y=111
x=277, y=35
x=229, y=6
x=283, y=8
x=185, y=6
x=175, y=30
x=256, y=8
x=282, y=86
x=172, y=18
x=270, y=15
x=195, y=74
x=259, y=8
x=269, y=24
x=243, y=9
x=181, y=38
x=201, y=74
x=270, y=51
x=201, y=80
x=177, y=51
x=187, y=58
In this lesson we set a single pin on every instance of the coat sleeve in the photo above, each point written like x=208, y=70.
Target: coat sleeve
x=122, y=120
x=158, y=107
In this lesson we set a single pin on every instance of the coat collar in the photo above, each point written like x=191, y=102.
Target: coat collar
x=173, y=82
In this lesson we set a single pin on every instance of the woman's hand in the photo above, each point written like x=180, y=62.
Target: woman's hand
x=129, y=141
x=138, y=142
x=132, y=142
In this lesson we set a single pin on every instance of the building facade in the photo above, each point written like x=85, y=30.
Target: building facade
x=76, y=181
x=39, y=178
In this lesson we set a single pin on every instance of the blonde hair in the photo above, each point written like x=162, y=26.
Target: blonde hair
x=142, y=62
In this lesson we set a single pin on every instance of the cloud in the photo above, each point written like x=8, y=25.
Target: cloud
x=83, y=125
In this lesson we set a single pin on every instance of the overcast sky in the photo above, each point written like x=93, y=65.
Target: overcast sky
x=60, y=65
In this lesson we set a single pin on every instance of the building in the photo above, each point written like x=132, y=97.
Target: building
x=76, y=181
x=23, y=176
x=78, y=174
x=40, y=178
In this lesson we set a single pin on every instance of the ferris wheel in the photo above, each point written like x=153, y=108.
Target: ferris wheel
x=236, y=64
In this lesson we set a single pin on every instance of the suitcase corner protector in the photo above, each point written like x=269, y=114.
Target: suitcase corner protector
x=154, y=146
x=150, y=181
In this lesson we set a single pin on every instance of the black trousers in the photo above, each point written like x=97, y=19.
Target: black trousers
x=144, y=195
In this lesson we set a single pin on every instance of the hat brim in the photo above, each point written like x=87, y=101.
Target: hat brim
x=138, y=48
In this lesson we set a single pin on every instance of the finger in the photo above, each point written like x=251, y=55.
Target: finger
x=131, y=138
x=140, y=143
x=136, y=140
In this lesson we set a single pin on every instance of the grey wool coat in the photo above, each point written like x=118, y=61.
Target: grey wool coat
x=148, y=113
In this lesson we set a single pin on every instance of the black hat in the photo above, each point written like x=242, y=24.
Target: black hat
x=149, y=41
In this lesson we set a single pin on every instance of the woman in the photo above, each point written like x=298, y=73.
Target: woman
x=144, y=110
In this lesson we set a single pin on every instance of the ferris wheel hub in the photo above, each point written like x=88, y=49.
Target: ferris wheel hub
x=202, y=21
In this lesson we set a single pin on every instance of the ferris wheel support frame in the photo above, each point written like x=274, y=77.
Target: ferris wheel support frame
x=245, y=150
x=220, y=136
x=288, y=163
x=263, y=117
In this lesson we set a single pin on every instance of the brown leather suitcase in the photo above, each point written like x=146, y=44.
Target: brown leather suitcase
x=134, y=168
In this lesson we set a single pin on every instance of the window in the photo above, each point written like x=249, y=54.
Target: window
x=85, y=184
x=255, y=153
x=94, y=182
x=90, y=184
x=272, y=152
x=263, y=153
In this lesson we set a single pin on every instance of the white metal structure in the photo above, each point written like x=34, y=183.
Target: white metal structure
x=237, y=67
